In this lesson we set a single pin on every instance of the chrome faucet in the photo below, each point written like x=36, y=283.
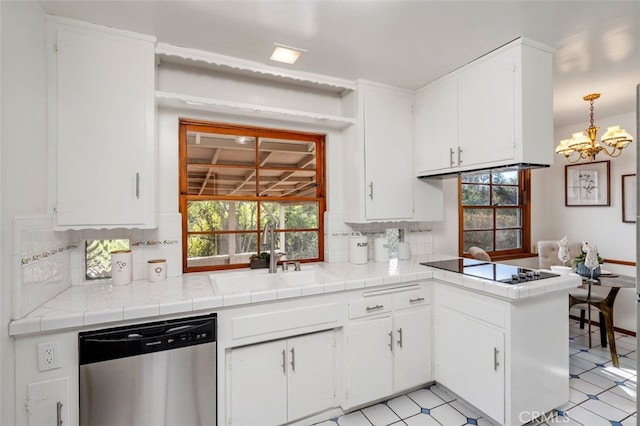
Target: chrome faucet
x=268, y=237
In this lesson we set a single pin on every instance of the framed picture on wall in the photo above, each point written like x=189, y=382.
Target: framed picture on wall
x=587, y=184
x=629, y=198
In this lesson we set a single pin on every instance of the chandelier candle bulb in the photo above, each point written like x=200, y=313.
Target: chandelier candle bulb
x=157, y=269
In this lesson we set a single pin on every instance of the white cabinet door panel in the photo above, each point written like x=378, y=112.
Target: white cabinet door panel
x=486, y=105
x=103, y=97
x=43, y=399
x=436, y=142
x=311, y=376
x=470, y=360
x=259, y=384
x=412, y=358
x=369, y=360
x=388, y=124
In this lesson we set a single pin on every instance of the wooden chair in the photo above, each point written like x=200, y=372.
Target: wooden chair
x=479, y=254
x=584, y=297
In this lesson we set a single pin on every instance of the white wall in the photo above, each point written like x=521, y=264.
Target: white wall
x=599, y=225
x=23, y=151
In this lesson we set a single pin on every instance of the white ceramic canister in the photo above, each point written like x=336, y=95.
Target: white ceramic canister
x=381, y=249
x=370, y=247
x=157, y=269
x=358, y=250
x=404, y=251
x=121, y=267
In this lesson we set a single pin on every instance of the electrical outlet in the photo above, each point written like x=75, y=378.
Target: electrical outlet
x=48, y=356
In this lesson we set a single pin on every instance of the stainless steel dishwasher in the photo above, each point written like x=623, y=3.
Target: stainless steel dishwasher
x=161, y=373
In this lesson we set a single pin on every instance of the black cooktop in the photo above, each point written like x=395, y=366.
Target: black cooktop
x=507, y=274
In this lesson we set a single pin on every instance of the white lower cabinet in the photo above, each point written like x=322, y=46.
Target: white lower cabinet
x=412, y=356
x=48, y=397
x=282, y=380
x=509, y=359
x=389, y=352
x=470, y=361
x=369, y=359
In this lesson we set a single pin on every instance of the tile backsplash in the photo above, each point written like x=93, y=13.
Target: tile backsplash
x=46, y=262
x=41, y=260
x=337, y=234
x=164, y=242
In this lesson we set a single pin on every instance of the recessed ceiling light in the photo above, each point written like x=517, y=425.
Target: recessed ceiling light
x=286, y=54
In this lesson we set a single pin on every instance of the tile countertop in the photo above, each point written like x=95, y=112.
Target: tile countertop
x=103, y=303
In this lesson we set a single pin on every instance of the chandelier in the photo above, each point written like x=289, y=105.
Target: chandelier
x=581, y=146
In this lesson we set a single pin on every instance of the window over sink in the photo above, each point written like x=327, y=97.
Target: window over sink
x=235, y=179
x=494, y=212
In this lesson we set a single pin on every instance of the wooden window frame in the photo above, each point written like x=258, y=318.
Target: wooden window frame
x=524, y=194
x=186, y=125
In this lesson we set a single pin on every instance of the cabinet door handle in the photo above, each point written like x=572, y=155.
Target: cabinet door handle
x=284, y=361
x=371, y=190
x=400, y=337
x=137, y=184
x=495, y=358
x=451, y=162
x=59, y=413
x=390, y=340
x=293, y=359
x=373, y=308
x=417, y=299
x=459, y=155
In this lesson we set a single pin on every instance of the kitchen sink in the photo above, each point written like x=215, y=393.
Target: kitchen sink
x=246, y=282
x=307, y=276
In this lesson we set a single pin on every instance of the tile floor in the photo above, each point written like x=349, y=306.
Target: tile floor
x=599, y=394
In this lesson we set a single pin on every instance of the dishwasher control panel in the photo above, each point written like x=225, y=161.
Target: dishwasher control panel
x=121, y=342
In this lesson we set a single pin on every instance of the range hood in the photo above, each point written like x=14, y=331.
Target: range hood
x=503, y=168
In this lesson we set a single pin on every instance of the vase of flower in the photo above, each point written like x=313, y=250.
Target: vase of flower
x=581, y=269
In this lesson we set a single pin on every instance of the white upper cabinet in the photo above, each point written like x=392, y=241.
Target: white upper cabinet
x=379, y=183
x=496, y=111
x=102, y=115
x=486, y=97
x=437, y=122
x=378, y=150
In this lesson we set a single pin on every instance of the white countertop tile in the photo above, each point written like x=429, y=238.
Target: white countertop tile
x=212, y=302
x=103, y=316
x=59, y=321
x=175, y=306
x=141, y=311
x=102, y=303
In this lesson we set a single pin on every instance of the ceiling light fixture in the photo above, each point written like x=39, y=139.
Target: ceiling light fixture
x=586, y=145
x=286, y=54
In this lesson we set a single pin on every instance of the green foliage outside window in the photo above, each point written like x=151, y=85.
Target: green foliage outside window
x=492, y=210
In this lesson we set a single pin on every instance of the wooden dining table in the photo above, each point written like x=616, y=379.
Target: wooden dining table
x=614, y=282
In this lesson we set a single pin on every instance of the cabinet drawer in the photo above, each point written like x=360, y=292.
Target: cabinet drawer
x=474, y=305
x=370, y=306
x=271, y=322
x=408, y=299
